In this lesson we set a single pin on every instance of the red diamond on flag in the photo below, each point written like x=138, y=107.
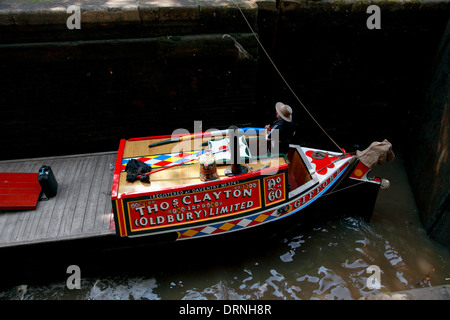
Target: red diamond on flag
x=162, y=163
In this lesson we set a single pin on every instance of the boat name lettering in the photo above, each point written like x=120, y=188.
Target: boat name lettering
x=274, y=188
x=191, y=216
x=184, y=207
x=313, y=193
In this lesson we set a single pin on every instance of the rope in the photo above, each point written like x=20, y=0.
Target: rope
x=356, y=184
x=284, y=80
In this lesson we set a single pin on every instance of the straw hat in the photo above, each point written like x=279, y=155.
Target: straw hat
x=284, y=111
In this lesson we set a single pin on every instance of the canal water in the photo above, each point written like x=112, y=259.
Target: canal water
x=320, y=259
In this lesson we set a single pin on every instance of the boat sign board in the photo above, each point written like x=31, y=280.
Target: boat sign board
x=173, y=209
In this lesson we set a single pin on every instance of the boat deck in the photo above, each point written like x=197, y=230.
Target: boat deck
x=178, y=176
x=81, y=208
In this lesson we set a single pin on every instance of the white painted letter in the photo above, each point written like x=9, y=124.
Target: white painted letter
x=74, y=21
x=374, y=21
x=74, y=281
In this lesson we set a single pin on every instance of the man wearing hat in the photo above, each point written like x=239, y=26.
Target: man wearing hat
x=284, y=125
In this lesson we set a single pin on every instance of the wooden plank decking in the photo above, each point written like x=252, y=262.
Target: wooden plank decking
x=82, y=207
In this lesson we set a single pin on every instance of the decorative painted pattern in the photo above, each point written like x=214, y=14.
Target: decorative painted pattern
x=227, y=226
x=162, y=160
x=322, y=160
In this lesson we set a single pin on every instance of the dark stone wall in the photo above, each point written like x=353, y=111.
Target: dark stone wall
x=150, y=70
x=362, y=85
x=85, y=97
x=133, y=69
x=429, y=167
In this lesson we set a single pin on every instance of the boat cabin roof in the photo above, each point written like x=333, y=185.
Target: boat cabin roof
x=183, y=175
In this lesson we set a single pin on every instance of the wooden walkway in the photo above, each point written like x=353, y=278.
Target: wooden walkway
x=81, y=208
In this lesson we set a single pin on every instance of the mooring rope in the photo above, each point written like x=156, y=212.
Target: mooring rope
x=282, y=77
x=342, y=189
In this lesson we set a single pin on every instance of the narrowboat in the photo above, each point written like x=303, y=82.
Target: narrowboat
x=245, y=186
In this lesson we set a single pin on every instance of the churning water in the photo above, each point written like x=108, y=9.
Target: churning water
x=319, y=260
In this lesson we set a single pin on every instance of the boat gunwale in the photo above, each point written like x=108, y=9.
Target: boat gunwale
x=116, y=177
x=281, y=215
x=292, y=196
x=267, y=211
x=266, y=171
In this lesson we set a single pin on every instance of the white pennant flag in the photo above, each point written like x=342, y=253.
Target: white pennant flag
x=217, y=146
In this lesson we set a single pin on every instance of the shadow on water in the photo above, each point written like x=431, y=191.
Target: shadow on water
x=322, y=257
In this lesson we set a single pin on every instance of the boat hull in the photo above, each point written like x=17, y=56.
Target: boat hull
x=289, y=208
x=200, y=205
x=203, y=209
